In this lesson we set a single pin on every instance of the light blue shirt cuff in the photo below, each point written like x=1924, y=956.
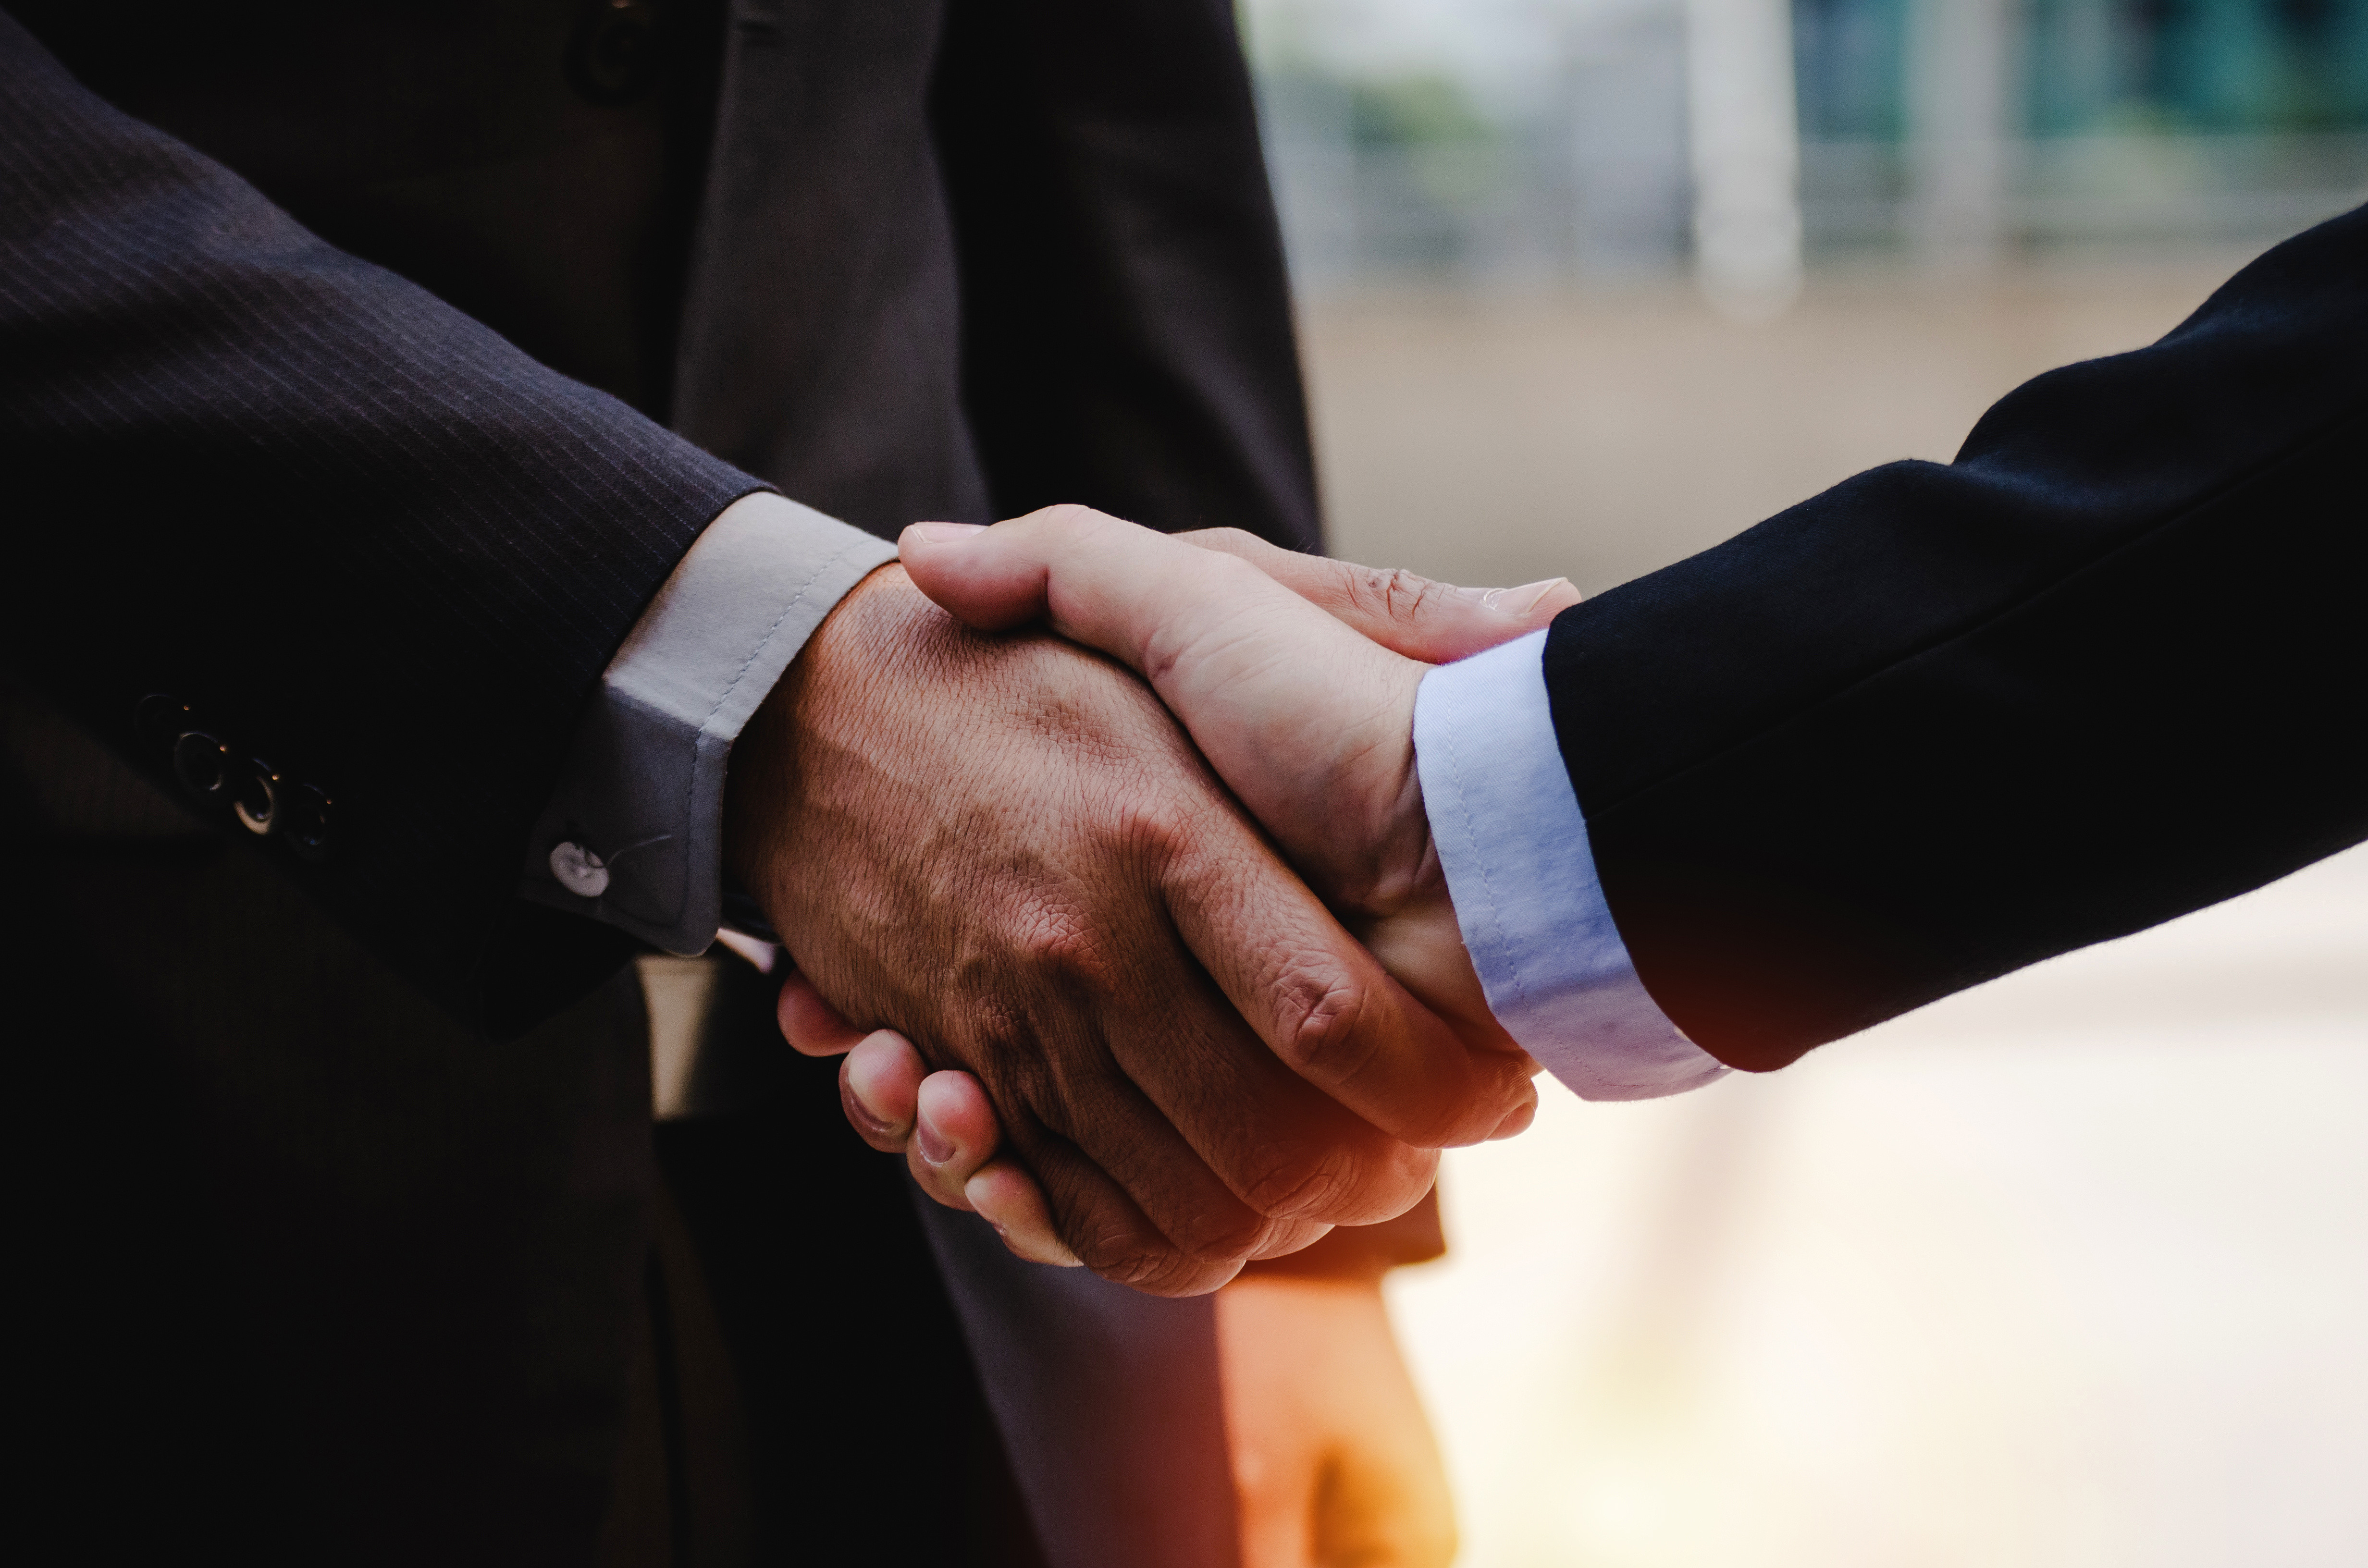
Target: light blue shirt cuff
x=1513, y=843
x=633, y=836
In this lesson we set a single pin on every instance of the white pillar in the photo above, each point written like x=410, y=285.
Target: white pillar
x=1746, y=153
x=1958, y=93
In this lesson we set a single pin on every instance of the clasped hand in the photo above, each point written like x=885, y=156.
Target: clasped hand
x=1090, y=997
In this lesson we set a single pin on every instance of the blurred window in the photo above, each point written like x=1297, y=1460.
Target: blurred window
x=2197, y=65
x=1849, y=60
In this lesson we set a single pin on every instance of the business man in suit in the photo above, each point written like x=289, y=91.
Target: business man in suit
x=1939, y=722
x=391, y=395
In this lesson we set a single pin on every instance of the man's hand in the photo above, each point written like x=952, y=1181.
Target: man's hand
x=1306, y=712
x=1004, y=848
x=1284, y=728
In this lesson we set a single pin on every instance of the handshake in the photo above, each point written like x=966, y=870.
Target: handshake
x=1156, y=974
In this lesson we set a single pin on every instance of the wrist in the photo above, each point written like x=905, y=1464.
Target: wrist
x=846, y=648
x=1373, y=782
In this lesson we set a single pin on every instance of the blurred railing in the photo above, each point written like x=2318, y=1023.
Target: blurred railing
x=2079, y=191
x=1518, y=210
x=1595, y=178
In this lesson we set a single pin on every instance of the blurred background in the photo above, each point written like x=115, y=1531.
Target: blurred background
x=2069, y=1270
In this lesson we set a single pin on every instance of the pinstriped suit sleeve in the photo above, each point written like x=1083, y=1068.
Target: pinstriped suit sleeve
x=633, y=836
x=369, y=540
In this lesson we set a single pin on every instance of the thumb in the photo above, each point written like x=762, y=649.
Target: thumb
x=1184, y=620
x=991, y=589
x=1309, y=724
x=811, y=1025
x=1434, y=623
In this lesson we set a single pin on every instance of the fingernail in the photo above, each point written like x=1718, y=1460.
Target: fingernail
x=936, y=1147
x=944, y=533
x=1523, y=600
x=857, y=1111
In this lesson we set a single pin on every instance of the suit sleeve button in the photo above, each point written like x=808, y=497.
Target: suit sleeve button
x=305, y=818
x=579, y=870
x=254, y=795
x=201, y=764
x=157, y=720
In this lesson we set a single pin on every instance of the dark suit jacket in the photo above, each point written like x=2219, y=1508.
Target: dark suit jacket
x=386, y=523
x=364, y=368
x=2108, y=665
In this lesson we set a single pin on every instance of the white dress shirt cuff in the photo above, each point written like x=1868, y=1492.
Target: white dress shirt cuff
x=1513, y=843
x=634, y=834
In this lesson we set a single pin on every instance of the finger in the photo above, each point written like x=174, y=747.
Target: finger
x=1297, y=1239
x=1283, y=1159
x=1423, y=619
x=1517, y=1121
x=1309, y=723
x=1204, y=1124
x=1168, y=1142
x=997, y=592
x=1007, y=1197
x=1140, y=596
x=1003, y=1192
x=1327, y=1009
x=1212, y=1141
x=1207, y=1229
x=954, y=1132
x=1098, y=1222
x=1435, y=622
x=878, y=1083
x=811, y=1026
x=1209, y=631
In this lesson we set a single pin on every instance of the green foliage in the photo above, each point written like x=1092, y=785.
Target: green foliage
x=1413, y=111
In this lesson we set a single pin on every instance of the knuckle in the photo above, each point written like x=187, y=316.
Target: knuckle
x=1307, y=1184
x=1391, y=594
x=1292, y=1235
x=1324, y=1025
x=1412, y=597
x=1155, y=1271
x=1227, y=1234
x=940, y=1188
x=1225, y=566
x=1369, y=588
x=994, y=1035
x=1021, y=1078
x=1163, y=826
x=1064, y=947
x=1232, y=542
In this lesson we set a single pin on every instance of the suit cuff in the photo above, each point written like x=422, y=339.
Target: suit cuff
x=634, y=834
x=1513, y=843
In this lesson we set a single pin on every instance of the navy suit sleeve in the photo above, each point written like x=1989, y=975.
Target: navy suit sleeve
x=363, y=537
x=1943, y=720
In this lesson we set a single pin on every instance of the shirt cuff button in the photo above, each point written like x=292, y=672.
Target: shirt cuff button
x=578, y=869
